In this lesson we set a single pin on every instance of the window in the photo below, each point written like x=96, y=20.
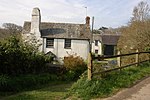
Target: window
x=49, y=43
x=96, y=42
x=96, y=51
x=67, y=43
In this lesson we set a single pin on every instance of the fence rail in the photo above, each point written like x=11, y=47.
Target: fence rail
x=91, y=58
x=120, y=55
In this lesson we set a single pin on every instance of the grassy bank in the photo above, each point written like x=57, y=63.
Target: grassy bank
x=34, y=86
x=51, y=91
x=24, y=82
x=109, y=83
x=54, y=89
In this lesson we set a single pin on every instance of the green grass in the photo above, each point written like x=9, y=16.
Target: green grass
x=52, y=91
x=33, y=87
x=25, y=82
x=109, y=84
x=100, y=87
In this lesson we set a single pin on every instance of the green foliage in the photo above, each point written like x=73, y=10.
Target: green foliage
x=109, y=84
x=25, y=82
x=31, y=81
x=147, y=49
x=19, y=58
x=51, y=91
x=3, y=80
x=74, y=62
x=75, y=66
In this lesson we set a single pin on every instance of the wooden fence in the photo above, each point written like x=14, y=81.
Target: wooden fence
x=118, y=56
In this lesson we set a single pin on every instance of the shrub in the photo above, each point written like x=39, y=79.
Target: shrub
x=75, y=66
x=74, y=62
x=19, y=58
x=3, y=82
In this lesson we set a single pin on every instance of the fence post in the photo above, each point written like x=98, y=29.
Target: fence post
x=119, y=59
x=149, y=57
x=137, y=57
x=89, y=66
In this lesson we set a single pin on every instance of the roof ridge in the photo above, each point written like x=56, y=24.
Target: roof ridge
x=56, y=23
x=63, y=23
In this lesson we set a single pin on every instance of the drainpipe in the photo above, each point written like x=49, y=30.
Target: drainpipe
x=43, y=45
x=57, y=49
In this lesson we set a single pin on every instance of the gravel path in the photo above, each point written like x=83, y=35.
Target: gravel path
x=140, y=91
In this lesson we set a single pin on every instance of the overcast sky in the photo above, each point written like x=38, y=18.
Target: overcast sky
x=108, y=13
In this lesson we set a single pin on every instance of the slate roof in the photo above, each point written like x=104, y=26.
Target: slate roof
x=108, y=39
x=97, y=37
x=61, y=30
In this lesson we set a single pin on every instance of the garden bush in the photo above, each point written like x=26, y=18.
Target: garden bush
x=23, y=67
x=3, y=81
x=74, y=65
x=18, y=58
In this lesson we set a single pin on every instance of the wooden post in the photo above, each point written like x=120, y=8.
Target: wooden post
x=89, y=66
x=119, y=59
x=149, y=57
x=137, y=57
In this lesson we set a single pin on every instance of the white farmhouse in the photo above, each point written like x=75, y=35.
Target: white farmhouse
x=61, y=39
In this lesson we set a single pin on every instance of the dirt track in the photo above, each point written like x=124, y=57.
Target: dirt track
x=140, y=91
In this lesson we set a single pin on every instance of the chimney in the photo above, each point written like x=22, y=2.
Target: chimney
x=35, y=21
x=87, y=19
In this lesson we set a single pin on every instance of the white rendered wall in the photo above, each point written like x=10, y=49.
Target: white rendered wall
x=78, y=47
x=99, y=48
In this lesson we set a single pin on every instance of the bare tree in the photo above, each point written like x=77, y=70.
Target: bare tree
x=141, y=12
x=12, y=28
x=137, y=34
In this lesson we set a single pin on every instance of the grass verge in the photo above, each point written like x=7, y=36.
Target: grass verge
x=51, y=91
x=110, y=83
x=24, y=82
x=34, y=87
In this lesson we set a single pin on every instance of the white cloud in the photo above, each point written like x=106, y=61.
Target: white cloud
x=110, y=13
